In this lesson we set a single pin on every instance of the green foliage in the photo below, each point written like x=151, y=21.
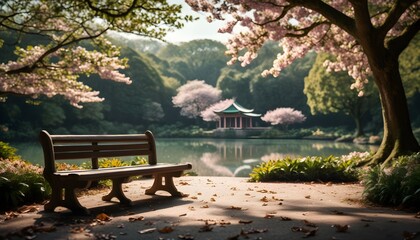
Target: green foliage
x=7, y=151
x=398, y=185
x=306, y=169
x=328, y=92
x=21, y=184
x=289, y=133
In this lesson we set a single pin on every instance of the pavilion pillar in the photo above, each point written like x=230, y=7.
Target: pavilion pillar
x=250, y=122
x=224, y=119
x=240, y=122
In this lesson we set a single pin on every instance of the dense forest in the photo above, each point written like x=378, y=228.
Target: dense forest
x=157, y=69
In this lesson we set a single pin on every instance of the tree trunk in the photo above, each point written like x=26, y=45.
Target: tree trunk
x=398, y=138
x=359, y=127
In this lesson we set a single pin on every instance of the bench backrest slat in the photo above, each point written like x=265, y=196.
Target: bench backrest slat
x=106, y=154
x=71, y=147
x=117, y=147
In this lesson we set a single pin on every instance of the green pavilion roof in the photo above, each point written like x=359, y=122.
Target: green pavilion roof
x=237, y=108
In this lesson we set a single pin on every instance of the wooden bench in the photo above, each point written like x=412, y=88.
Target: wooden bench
x=76, y=147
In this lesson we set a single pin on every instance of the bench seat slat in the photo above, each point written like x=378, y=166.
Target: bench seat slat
x=103, y=154
x=118, y=172
x=81, y=148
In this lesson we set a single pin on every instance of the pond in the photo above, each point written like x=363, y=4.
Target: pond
x=226, y=157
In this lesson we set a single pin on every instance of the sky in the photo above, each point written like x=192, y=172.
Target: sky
x=199, y=29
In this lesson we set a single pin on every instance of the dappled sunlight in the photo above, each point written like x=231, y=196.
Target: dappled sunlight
x=225, y=208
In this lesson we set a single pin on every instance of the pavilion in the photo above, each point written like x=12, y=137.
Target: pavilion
x=235, y=116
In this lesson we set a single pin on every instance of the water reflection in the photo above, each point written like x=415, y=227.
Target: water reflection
x=227, y=157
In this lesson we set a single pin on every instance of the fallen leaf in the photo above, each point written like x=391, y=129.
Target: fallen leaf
x=341, y=228
x=224, y=223
x=245, y=221
x=27, y=209
x=308, y=196
x=269, y=216
x=103, y=217
x=167, y=229
x=134, y=219
x=264, y=199
x=366, y=220
x=205, y=206
x=148, y=230
x=309, y=232
x=183, y=183
x=212, y=199
x=286, y=219
x=235, y=208
x=194, y=197
x=120, y=226
x=11, y=215
x=182, y=215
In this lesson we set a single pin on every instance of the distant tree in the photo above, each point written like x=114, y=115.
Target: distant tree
x=194, y=97
x=197, y=59
x=208, y=114
x=367, y=37
x=283, y=116
x=54, y=65
x=328, y=92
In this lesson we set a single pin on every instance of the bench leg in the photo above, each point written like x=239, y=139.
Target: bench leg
x=117, y=192
x=65, y=197
x=169, y=185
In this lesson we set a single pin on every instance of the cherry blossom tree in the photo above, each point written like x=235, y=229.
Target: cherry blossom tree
x=283, y=116
x=366, y=37
x=53, y=68
x=194, y=97
x=208, y=114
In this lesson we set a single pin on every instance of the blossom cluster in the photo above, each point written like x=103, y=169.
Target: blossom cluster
x=283, y=116
x=194, y=97
x=17, y=166
x=209, y=115
x=60, y=77
x=299, y=29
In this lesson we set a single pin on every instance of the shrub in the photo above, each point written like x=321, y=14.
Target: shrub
x=21, y=183
x=306, y=169
x=398, y=185
x=7, y=152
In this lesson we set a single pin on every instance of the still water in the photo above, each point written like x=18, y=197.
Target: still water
x=225, y=157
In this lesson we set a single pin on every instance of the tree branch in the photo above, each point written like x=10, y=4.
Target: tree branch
x=333, y=15
x=398, y=44
x=63, y=43
x=394, y=15
x=108, y=12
